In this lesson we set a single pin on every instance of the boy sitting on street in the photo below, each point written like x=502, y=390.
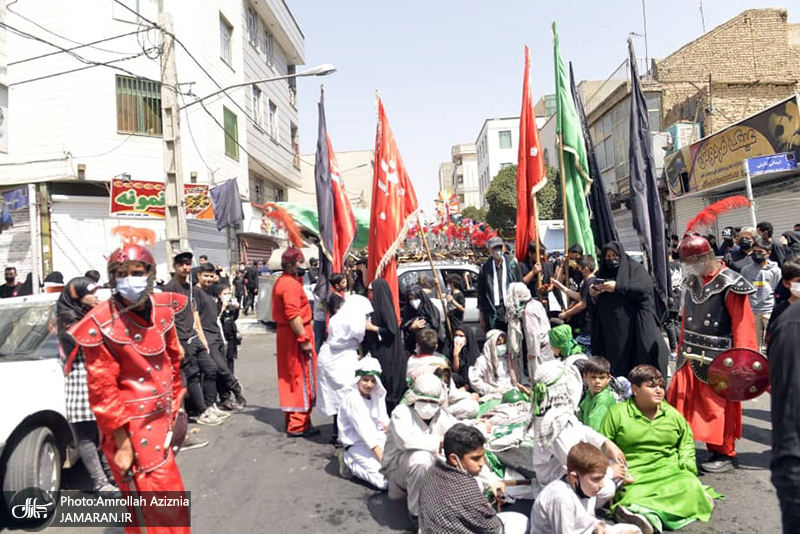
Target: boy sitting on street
x=566, y=505
x=598, y=398
x=451, y=501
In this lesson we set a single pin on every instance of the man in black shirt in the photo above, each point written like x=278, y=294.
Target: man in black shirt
x=784, y=376
x=230, y=390
x=579, y=314
x=11, y=287
x=529, y=270
x=251, y=285
x=199, y=370
x=736, y=259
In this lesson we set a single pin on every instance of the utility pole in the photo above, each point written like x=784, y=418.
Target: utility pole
x=174, y=214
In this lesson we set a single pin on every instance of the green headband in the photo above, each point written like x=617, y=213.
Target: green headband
x=359, y=372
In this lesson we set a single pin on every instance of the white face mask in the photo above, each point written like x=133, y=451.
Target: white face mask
x=131, y=288
x=795, y=289
x=502, y=350
x=226, y=298
x=426, y=410
x=460, y=339
x=415, y=303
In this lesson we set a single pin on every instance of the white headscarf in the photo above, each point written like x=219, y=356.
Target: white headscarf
x=518, y=296
x=493, y=360
x=346, y=328
x=370, y=366
x=556, y=395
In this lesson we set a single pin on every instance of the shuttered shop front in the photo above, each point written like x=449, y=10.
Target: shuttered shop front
x=776, y=202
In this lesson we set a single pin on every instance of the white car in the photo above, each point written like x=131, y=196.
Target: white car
x=36, y=439
x=408, y=274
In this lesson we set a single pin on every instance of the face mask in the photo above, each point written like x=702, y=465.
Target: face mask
x=460, y=465
x=10, y=280
x=795, y=289
x=131, y=288
x=416, y=303
x=746, y=243
x=502, y=350
x=759, y=257
x=226, y=298
x=612, y=265
x=462, y=339
x=301, y=272
x=426, y=410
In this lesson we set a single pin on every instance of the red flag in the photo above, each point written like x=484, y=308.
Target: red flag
x=394, y=202
x=344, y=221
x=531, y=172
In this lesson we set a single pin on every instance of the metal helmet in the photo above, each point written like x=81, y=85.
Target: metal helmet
x=739, y=374
x=694, y=247
x=130, y=252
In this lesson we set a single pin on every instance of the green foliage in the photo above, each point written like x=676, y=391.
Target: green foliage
x=476, y=214
x=502, y=199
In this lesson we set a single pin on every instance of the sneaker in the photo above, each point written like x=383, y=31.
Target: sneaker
x=108, y=487
x=344, y=471
x=307, y=433
x=193, y=441
x=241, y=402
x=719, y=463
x=624, y=515
x=207, y=418
x=219, y=413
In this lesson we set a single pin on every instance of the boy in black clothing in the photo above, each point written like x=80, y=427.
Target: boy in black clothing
x=229, y=313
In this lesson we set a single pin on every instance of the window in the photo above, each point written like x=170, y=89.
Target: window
x=256, y=190
x=272, y=120
x=653, y=101
x=258, y=108
x=225, y=38
x=252, y=26
x=505, y=139
x=145, y=9
x=138, y=106
x=231, y=133
x=268, y=48
x=295, y=145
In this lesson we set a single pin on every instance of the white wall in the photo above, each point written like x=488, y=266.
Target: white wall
x=490, y=156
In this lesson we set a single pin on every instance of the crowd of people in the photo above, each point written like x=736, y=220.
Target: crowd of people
x=572, y=350
x=571, y=366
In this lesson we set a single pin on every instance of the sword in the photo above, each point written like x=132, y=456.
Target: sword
x=701, y=358
x=131, y=485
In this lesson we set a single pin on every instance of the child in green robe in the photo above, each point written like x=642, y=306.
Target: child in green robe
x=665, y=492
x=598, y=398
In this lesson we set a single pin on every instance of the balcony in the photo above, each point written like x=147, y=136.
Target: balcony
x=293, y=96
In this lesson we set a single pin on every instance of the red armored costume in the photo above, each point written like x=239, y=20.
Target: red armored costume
x=133, y=364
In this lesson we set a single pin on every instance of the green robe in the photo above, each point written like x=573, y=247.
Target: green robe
x=661, y=457
x=593, y=408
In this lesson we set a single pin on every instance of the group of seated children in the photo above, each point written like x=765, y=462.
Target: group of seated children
x=588, y=448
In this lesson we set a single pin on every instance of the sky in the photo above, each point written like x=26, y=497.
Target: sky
x=444, y=66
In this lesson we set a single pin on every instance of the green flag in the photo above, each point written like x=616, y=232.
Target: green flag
x=575, y=166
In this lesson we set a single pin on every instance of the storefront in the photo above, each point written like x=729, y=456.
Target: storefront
x=15, y=240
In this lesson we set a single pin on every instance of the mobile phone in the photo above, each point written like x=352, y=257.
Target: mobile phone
x=598, y=281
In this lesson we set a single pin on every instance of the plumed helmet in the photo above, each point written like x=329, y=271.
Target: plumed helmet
x=130, y=252
x=694, y=247
x=291, y=255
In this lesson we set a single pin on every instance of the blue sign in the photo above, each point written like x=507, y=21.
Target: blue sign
x=786, y=161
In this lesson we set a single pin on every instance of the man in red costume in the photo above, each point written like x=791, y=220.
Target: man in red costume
x=716, y=317
x=133, y=359
x=297, y=359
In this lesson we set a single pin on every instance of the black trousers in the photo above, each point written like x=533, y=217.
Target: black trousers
x=250, y=300
x=231, y=353
x=673, y=328
x=200, y=374
x=786, y=479
x=226, y=382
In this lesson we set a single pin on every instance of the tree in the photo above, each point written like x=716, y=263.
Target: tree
x=476, y=214
x=502, y=199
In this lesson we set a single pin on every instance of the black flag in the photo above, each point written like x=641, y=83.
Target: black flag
x=602, y=222
x=645, y=201
x=227, y=204
x=324, y=189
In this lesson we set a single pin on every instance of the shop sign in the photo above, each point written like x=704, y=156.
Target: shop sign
x=140, y=198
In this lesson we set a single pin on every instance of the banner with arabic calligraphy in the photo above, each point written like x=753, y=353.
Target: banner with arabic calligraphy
x=718, y=159
x=139, y=198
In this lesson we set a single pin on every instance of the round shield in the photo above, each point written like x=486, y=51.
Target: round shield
x=739, y=374
x=179, y=430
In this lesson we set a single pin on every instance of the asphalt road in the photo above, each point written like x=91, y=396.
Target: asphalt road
x=251, y=478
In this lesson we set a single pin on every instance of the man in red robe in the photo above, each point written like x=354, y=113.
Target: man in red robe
x=133, y=358
x=717, y=317
x=297, y=359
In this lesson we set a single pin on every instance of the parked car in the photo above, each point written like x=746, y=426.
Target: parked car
x=36, y=440
x=409, y=274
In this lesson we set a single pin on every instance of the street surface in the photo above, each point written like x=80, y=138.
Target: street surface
x=251, y=478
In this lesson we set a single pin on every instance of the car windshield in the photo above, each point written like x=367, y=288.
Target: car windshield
x=28, y=332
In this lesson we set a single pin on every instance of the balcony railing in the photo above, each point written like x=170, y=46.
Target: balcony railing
x=620, y=76
x=293, y=97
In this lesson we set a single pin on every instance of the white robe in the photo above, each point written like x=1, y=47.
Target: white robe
x=536, y=326
x=484, y=383
x=338, y=357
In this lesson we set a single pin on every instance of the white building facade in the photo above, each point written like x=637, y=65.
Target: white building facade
x=496, y=148
x=465, y=175
x=72, y=134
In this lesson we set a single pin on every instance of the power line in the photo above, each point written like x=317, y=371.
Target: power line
x=191, y=135
x=94, y=64
x=51, y=32
x=73, y=48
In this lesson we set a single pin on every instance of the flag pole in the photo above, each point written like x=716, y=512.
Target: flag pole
x=439, y=293
x=536, y=238
x=564, y=205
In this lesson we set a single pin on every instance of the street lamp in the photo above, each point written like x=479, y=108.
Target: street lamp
x=320, y=70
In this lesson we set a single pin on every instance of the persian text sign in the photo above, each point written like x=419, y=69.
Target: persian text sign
x=146, y=199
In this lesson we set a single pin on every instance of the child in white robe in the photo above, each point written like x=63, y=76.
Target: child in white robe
x=363, y=422
x=492, y=375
